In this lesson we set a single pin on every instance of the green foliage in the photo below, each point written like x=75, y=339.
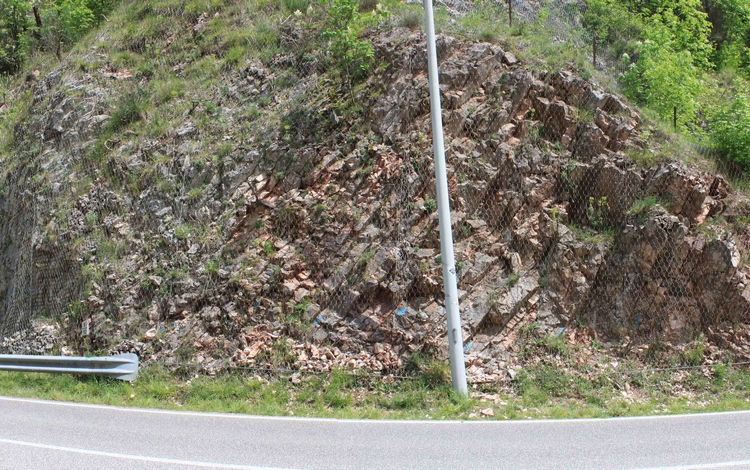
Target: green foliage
x=342, y=30
x=13, y=23
x=412, y=20
x=75, y=18
x=430, y=205
x=642, y=205
x=693, y=355
x=335, y=393
x=46, y=25
x=366, y=257
x=17, y=112
x=436, y=374
x=168, y=90
x=621, y=23
x=283, y=354
x=597, y=212
x=433, y=373
x=664, y=76
x=553, y=344
x=540, y=391
x=731, y=131
x=613, y=24
x=296, y=5
x=731, y=27
x=269, y=249
x=129, y=109
x=670, y=49
x=539, y=383
x=299, y=310
x=688, y=27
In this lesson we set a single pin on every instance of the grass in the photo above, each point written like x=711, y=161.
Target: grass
x=538, y=391
x=589, y=235
x=339, y=394
x=129, y=109
x=643, y=205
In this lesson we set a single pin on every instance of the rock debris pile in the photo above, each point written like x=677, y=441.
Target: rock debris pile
x=38, y=340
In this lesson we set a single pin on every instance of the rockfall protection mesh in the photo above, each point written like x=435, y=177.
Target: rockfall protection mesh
x=563, y=210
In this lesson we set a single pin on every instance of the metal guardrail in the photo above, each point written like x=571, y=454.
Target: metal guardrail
x=122, y=366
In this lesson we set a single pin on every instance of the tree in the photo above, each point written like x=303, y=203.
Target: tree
x=617, y=22
x=664, y=76
x=13, y=24
x=731, y=33
x=47, y=25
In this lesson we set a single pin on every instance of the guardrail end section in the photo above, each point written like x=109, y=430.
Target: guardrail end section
x=129, y=367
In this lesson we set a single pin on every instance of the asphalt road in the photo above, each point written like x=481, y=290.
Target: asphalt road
x=49, y=435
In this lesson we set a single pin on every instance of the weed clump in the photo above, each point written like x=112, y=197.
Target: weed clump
x=129, y=109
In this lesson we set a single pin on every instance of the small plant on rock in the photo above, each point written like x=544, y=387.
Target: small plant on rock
x=430, y=205
x=597, y=212
x=694, y=352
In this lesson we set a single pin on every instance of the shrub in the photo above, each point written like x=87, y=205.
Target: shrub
x=412, y=20
x=430, y=205
x=436, y=374
x=731, y=132
x=129, y=109
x=693, y=355
x=345, y=22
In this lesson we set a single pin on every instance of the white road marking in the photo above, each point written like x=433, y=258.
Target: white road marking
x=735, y=464
x=139, y=458
x=366, y=421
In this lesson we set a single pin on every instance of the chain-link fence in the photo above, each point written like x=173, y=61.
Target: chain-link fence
x=212, y=189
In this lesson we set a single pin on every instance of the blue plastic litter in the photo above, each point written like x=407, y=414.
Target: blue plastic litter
x=317, y=320
x=401, y=311
x=468, y=346
x=257, y=302
x=638, y=322
x=560, y=331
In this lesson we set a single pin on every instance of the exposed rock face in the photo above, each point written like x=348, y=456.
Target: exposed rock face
x=661, y=278
x=316, y=244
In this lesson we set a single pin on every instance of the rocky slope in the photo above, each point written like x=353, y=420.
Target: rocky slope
x=282, y=222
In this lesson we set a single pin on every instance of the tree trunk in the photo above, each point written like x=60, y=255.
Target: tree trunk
x=37, y=17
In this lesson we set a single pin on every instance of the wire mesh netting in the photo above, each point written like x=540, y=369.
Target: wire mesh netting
x=259, y=209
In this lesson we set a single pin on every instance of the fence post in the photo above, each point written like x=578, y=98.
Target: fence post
x=594, y=58
x=674, y=118
x=455, y=332
x=510, y=13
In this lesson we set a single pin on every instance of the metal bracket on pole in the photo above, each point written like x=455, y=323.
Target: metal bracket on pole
x=122, y=366
x=455, y=333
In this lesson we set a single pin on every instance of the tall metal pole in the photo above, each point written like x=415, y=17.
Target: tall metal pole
x=455, y=334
